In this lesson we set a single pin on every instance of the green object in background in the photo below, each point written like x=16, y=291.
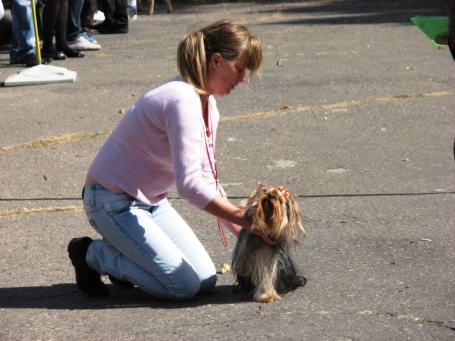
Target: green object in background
x=433, y=27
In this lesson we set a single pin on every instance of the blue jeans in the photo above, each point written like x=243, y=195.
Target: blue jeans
x=149, y=246
x=74, y=19
x=22, y=30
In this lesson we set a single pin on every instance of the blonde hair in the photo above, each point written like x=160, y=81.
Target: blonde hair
x=226, y=37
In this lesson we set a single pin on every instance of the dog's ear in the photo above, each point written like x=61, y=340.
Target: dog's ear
x=294, y=217
x=260, y=187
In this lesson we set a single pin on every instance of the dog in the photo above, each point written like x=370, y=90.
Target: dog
x=148, y=6
x=267, y=270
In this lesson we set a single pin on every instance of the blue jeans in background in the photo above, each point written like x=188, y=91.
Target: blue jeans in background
x=74, y=19
x=22, y=30
x=149, y=246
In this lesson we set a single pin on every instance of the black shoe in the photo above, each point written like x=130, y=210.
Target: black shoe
x=46, y=61
x=71, y=53
x=101, y=26
x=87, y=280
x=29, y=60
x=113, y=29
x=53, y=55
x=120, y=283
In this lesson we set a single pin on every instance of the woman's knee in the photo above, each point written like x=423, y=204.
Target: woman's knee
x=187, y=291
x=208, y=284
x=191, y=287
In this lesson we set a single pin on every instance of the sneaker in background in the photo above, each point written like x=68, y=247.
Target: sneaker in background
x=89, y=37
x=81, y=43
x=98, y=17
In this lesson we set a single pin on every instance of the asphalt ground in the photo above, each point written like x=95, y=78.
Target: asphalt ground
x=354, y=112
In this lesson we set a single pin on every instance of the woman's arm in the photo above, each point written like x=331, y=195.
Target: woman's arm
x=225, y=210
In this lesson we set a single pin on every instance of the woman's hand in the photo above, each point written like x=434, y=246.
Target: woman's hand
x=234, y=218
x=230, y=216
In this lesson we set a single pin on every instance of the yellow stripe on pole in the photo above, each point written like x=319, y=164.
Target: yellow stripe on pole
x=35, y=28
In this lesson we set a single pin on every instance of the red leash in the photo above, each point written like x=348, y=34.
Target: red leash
x=209, y=134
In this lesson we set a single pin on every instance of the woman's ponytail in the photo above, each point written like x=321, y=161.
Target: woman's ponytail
x=192, y=60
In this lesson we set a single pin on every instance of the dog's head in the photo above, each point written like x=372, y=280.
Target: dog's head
x=275, y=211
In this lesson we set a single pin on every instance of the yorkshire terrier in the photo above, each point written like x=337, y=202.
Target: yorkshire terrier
x=267, y=270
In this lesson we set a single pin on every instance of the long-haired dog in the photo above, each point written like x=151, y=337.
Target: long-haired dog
x=268, y=270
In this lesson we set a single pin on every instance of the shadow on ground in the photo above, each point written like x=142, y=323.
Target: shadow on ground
x=67, y=296
x=339, y=12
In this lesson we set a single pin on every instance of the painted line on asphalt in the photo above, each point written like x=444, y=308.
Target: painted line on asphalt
x=340, y=105
x=52, y=141
x=56, y=209
x=56, y=140
x=27, y=211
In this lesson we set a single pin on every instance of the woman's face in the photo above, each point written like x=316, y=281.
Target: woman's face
x=224, y=75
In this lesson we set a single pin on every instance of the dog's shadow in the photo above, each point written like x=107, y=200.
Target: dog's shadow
x=67, y=296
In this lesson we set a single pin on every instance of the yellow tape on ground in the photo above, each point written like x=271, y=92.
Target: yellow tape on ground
x=340, y=105
x=52, y=141
x=24, y=211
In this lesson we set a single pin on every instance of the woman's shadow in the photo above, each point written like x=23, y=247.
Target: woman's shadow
x=67, y=296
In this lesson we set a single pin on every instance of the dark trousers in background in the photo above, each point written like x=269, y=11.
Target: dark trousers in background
x=88, y=11
x=74, y=19
x=115, y=12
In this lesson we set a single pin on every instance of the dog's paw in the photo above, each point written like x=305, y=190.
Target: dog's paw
x=267, y=297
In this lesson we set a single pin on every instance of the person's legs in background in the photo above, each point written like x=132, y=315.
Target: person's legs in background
x=74, y=19
x=450, y=39
x=2, y=10
x=87, y=16
x=451, y=15
x=75, y=36
x=23, y=39
x=116, y=16
x=55, y=22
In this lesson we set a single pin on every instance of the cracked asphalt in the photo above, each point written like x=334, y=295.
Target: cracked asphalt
x=354, y=112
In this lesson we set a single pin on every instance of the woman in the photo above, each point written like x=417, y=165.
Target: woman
x=166, y=138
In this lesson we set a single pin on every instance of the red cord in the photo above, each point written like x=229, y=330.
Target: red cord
x=214, y=169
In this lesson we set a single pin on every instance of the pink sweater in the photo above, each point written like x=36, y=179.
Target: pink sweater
x=161, y=141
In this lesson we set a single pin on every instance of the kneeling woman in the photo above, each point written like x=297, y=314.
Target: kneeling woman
x=167, y=138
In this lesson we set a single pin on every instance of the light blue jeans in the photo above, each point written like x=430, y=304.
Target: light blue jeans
x=23, y=41
x=149, y=246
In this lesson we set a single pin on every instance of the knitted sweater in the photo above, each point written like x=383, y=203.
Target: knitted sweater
x=161, y=142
